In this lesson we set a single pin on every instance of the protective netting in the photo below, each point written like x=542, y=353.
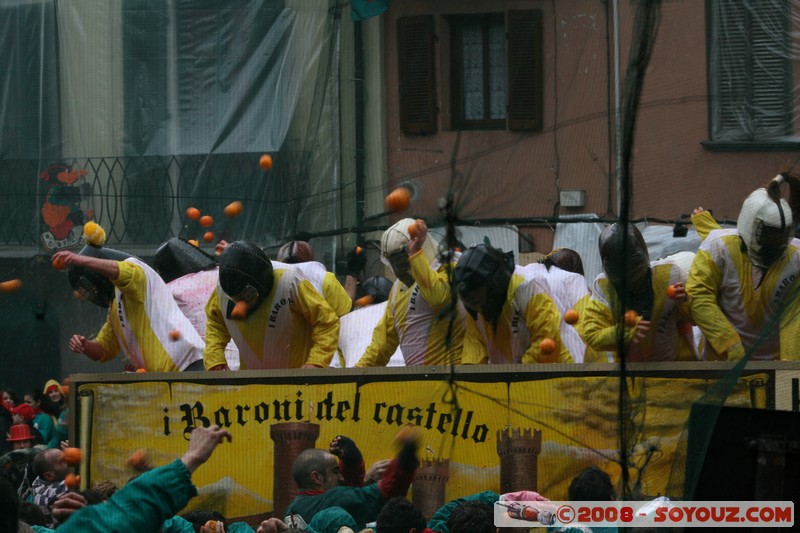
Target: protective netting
x=129, y=112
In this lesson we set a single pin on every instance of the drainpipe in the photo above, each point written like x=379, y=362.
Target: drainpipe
x=358, y=74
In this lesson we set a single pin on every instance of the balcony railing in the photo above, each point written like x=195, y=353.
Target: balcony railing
x=141, y=201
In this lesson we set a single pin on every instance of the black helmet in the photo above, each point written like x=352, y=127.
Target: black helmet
x=245, y=273
x=95, y=287
x=624, y=254
x=625, y=258
x=378, y=287
x=483, y=266
x=176, y=258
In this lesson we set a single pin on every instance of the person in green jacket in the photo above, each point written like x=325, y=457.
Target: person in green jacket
x=146, y=502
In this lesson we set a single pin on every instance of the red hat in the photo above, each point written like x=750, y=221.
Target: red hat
x=20, y=432
x=25, y=411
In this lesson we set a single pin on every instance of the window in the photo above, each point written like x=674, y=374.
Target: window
x=750, y=76
x=478, y=79
x=495, y=76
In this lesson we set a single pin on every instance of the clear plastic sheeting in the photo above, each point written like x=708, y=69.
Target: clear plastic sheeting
x=227, y=81
x=166, y=105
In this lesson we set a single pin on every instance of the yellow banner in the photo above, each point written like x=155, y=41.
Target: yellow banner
x=460, y=421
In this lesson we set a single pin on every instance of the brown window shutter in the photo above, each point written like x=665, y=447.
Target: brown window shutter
x=525, y=86
x=417, y=74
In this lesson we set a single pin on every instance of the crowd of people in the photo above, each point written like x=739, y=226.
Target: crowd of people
x=336, y=495
x=43, y=412
x=35, y=430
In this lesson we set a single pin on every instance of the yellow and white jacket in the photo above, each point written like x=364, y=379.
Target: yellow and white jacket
x=293, y=326
x=528, y=317
x=735, y=312
x=325, y=282
x=141, y=319
x=670, y=335
x=417, y=320
x=569, y=292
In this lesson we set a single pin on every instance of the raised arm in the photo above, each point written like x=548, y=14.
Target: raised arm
x=105, y=267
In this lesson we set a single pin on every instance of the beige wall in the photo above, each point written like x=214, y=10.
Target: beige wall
x=508, y=174
x=540, y=164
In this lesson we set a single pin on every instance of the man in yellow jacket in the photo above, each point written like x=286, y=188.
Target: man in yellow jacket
x=569, y=292
x=420, y=316
x=298, y=255
x=658, y=322
x=143, y=319
x=276, y=317
x=510, y=319
x=744, y=282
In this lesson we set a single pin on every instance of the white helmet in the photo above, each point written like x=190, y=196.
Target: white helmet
x=397, y=237
x=765, y=226
x=394, y=251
